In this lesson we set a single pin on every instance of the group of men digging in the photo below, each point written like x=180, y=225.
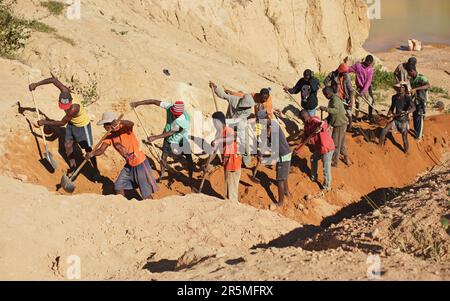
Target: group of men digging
x=255, y=111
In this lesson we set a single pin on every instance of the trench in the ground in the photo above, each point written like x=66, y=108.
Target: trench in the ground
x=373, y=168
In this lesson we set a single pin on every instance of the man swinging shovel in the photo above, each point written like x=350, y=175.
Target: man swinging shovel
x=67, y=182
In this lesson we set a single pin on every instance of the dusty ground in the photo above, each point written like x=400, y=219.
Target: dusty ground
x=182, y=238
x=116, y=239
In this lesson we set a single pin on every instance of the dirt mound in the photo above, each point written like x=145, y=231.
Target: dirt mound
x=413, y=221
x=114, y=238
x=176, y=238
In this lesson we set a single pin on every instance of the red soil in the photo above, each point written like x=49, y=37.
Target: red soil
x=372, y=168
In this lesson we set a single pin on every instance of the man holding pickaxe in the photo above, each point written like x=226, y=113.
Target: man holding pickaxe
x=402, y=105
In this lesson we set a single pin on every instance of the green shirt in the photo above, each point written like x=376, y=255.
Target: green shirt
x=180, y=125
x=419, y=81
x=336, y=110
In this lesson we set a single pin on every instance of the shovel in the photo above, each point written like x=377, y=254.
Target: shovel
x=253, y=177
x=369, y=104
x=67, y=182
x=48, y=155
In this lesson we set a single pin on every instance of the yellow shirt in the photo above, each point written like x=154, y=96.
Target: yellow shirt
x=82, y=118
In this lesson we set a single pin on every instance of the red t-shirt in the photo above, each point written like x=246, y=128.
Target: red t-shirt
x=323, y=143
x=232, y=160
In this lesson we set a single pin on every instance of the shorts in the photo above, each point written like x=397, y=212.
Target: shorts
x=79, y=134
x=132, y=177
x=177, y=149
x=283, y=169
x=401, y=126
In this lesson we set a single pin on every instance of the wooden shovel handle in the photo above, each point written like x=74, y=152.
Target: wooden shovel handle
x=38, y=115
x=93, y=150
x=147, y=134
x=215, y=99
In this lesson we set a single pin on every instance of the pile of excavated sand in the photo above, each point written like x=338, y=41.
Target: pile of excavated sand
x=46, y=236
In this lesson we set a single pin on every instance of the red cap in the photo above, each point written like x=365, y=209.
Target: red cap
x=177, y=109
x=343, y=68
x=65, y=104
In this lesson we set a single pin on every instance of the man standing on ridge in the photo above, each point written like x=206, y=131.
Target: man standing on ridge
x=419, y=91
x=401, y=74
x=402, y=105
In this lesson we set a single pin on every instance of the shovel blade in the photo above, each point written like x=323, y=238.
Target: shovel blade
x=67, y=184
x=49, y=157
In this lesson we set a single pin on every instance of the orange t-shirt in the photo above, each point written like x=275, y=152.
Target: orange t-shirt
x=341, y=91
x=267, y=106
x=232, y=160
x=127, y=139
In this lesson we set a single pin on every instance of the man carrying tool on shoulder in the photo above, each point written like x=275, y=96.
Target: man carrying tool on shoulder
x=78, y=127
x=137, y=172
x=175, y=134
x=316, y=133
x=402, y=105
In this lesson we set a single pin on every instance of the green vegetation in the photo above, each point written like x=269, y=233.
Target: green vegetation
x=13, y=32
x=64, y=39
x=438, y=90
x=321, y=77
x=382, y=79
x=87, y=90
x=39, y=26
x=54, y=7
